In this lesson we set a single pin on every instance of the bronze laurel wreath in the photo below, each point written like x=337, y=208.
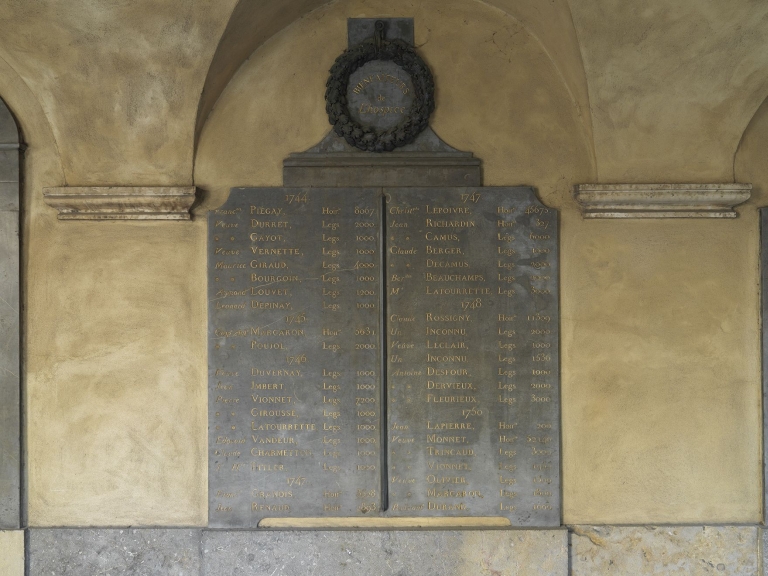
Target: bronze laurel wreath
x=366, y=138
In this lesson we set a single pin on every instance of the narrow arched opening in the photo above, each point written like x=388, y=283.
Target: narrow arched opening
x=11, y=397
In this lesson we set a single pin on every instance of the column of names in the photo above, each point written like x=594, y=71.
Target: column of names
x=472, y=354
x=295, y=325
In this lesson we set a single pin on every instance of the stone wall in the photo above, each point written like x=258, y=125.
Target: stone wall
x=661, y=377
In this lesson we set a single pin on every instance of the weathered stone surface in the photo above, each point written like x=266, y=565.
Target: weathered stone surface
x=472, y=340
x=671, y=550
x=764, y=536
x=764, y=328
x=361, y=29
x=427, y=161
x=660, y=200
x=294, y=285
x=10, y=452
x=112, y=552
x=12, y=553
x=121, y=202
x=466, y=553
x=10, y=369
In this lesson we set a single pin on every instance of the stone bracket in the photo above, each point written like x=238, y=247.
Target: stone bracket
x=661, y=200
x=121, y=202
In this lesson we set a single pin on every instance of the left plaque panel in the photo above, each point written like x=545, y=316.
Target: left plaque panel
x=294, y=355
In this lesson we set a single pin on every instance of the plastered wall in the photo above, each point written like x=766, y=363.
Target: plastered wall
x=660, y=342
x=660, y=347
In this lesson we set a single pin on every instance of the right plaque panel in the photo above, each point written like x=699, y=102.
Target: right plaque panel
x=473, y=363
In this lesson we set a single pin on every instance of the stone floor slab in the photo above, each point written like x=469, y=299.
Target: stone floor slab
x=12, y=553
x=669, y=550
x=395, y=553
x=113, y=552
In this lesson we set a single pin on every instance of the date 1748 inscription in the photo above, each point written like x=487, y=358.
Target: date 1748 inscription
x=383, y=353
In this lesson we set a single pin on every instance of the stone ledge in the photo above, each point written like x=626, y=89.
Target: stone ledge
x=575, y=551
x=121, y=202
x=660, y=200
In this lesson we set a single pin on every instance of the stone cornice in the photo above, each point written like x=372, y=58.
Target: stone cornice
x=121, y=202
x=660, y=200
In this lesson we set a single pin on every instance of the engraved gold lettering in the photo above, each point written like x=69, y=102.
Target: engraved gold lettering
x=269, y=224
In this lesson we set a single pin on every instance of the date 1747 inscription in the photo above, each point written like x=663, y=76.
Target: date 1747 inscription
x=383, y=352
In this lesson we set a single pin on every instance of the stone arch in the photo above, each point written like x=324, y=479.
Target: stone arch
x=11, y=515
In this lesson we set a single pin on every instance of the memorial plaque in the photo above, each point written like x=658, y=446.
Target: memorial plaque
x=462, y=327
x=294, y=354
x=472, y=342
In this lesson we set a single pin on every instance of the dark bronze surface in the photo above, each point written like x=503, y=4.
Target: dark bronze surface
x=380, y=93
x=294, y=355
x=472, y=342
x=470, y=314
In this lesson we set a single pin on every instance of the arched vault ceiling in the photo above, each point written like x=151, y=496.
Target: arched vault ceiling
x=552, y=24
x=255, y=21
x=252, y=23
x=672, y=85
x=118, y=80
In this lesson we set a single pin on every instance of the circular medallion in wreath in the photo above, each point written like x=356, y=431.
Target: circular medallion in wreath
x=379, y=95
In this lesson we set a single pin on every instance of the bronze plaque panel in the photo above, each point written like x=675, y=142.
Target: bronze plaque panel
x=472, y=344
x=294, y=354
x=462, y=327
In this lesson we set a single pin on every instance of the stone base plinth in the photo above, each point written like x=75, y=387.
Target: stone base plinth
x=189, y=552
